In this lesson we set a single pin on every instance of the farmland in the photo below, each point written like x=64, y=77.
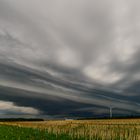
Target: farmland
x=116, y=129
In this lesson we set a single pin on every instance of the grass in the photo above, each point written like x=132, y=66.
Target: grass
x=23, y=133
x=71, y=130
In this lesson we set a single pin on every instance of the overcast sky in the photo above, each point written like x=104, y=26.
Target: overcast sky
x=62, y=57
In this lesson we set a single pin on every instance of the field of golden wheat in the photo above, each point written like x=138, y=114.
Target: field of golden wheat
x=115, y=129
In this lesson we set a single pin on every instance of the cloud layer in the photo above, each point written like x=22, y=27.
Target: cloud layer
x=66, y=57
x=9, y=107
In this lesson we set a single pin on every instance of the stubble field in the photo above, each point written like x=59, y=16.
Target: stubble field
x=115, y=129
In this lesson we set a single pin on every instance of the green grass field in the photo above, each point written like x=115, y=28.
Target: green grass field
x=23, y=133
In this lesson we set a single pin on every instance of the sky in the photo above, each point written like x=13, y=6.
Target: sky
x=69, y=57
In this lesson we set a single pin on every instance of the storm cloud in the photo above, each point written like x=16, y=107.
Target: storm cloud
x=69, y=57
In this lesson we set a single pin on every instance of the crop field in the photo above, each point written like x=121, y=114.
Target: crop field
x=116, y=129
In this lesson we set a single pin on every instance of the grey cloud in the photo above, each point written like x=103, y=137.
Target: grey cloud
x=77, y=54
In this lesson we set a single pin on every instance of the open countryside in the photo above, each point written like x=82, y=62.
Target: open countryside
x=111, y=129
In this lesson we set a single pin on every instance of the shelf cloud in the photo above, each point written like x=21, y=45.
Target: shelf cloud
x=70, y=57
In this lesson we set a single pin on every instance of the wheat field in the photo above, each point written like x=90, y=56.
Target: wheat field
x=115, y=129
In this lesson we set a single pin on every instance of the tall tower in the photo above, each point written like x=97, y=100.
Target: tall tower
x=110, y=110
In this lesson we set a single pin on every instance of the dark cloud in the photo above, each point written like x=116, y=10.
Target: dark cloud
x=69, y=57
